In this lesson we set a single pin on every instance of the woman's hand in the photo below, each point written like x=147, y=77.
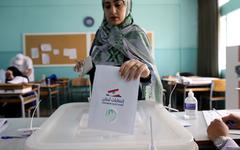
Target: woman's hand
x=79, y=66
x=133, y=69
x=217, y=128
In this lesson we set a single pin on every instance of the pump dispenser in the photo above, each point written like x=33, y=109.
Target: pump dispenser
x=190, y=106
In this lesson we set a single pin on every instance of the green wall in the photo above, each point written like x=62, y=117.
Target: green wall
x=229, y=7
x=174, y=23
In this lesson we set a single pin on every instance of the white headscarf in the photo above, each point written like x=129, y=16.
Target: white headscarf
x=128, y=4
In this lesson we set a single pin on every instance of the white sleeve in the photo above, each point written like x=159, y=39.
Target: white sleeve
x=230, y=145
x=29, y=63
x=18, y=80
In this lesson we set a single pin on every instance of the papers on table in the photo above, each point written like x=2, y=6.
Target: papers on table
x=114, y=101
x=182, y=121
x=217, y=114
x=214, y=114
x=3, y=124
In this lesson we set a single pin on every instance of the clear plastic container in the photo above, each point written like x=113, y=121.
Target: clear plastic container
x=67, y=129
x=190, y=106
x=43, y=80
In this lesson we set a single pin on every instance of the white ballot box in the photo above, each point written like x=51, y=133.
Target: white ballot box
x=67, y=129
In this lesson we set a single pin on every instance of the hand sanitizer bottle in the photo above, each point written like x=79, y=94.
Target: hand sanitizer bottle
x=190, y=106
x=43, y=81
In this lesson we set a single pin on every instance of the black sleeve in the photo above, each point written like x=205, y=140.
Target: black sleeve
x=91, y=73
x=146, y=80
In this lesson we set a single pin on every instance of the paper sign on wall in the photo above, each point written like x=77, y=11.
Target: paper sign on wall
x=34, y=53
x=45, y=59
x=70, y=52
x=56, y=51
x=114, y=101
x=46, y=47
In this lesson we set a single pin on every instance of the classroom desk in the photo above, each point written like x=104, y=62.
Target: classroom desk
x=11, y=93
x=197, y=84
x=12, y=130
x=50, y=90
x=198, y=129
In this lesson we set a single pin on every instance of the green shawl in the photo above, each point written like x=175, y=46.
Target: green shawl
x=132, y=42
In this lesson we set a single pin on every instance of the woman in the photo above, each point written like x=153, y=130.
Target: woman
x=120, y=42
x=13, y=75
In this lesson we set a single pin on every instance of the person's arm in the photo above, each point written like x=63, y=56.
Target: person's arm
x=230, y=145
x=84, y=66
x=218, y=132
x=27, y=72
x=232, y=121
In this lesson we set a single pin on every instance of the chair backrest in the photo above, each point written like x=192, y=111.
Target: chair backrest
x=217, y=92
x=219, y=85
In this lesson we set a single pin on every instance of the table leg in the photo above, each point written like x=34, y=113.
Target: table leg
x=58, y=103
x=50, y=99
x=23, y=106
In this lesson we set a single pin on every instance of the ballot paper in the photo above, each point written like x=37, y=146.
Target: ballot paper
x=113, y=103
x=3, y=124
x=218, y=114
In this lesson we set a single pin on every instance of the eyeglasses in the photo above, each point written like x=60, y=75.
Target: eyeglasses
x=116, y=3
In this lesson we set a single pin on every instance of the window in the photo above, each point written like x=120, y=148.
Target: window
x=222, y=44
x=233, y=28
x=229, y=35
x=222, y=2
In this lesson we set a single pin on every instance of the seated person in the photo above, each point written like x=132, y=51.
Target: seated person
x=218, y=132
x=24, y=64
x=14, y=76
x=52, y=79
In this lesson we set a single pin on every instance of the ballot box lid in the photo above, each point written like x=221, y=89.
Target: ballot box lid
x=67, y=129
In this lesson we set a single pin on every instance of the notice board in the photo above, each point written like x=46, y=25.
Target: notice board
x=59, y=49
x=55, y=49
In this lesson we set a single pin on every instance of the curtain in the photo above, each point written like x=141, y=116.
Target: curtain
x=208, y=22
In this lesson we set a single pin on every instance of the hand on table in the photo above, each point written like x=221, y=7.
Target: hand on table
x=216, y=129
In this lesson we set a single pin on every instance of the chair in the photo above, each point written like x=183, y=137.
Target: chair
x=48, y=92
x=64, y=88
x=217, y=91
x=29, y=110
x=81, y=87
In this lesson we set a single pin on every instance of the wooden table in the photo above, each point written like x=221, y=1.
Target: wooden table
x=198, y=129
x=20, y=93
x=196, y=84
x=13, y=125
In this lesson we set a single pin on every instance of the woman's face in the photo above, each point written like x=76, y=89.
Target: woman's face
x=115, y=11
